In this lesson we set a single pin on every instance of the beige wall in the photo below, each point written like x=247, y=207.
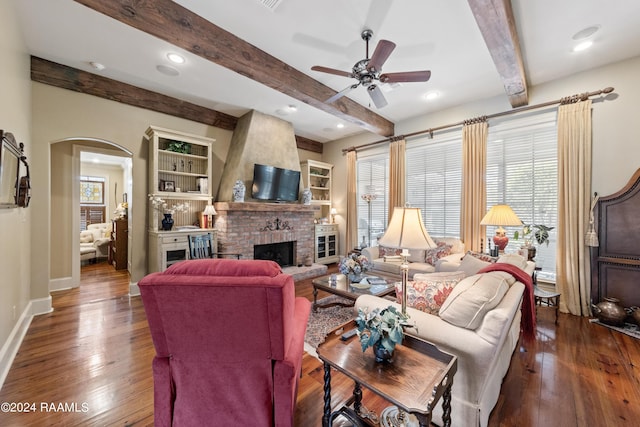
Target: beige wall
x=15, y=235
x=616, y=143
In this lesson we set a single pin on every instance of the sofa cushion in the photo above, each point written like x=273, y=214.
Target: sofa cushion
x=427, y=292
x=472, y=298
x=385, y=251
x=389, y=266
x=513, y=259
x=416, y=255
x=434, y=254
x=482, y=256
x=86, y=236
x=420, y=267
x=471, y=265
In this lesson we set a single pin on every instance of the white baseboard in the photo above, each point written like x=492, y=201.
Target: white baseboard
x=61, y=284
x=12, y=345
x=134, y=289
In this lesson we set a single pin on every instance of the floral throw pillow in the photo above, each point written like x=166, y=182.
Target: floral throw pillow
x=482, y=256
x=383, y=251
x=428, y=294
x=433, y=255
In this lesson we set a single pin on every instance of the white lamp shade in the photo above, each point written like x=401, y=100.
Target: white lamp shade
x=209, y=210
x=407, y=231
x=501, y=215
x=333, y=211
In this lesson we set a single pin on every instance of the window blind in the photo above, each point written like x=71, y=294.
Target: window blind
x=522, y=172
x=373, y=177
x=434, y=181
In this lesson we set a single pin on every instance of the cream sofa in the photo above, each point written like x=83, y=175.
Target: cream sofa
x=94, y=241
x=390, y=265
x=484, y=343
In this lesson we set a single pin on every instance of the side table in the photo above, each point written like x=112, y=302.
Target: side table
x=414, y=391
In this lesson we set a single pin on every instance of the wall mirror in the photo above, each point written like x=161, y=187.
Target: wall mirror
x=9, y=170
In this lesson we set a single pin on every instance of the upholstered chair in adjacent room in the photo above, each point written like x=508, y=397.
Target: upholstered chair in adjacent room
x=229, y=338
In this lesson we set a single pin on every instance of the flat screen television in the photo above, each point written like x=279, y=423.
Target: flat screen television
x=275, y=184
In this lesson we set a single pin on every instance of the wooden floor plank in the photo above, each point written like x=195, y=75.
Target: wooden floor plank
x=95, y=347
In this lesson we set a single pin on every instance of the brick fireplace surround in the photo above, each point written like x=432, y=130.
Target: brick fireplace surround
x=240, y=226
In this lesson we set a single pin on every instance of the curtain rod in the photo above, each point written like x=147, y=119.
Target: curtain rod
x=566, y=100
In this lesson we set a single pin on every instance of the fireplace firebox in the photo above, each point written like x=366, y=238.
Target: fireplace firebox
x=283, y=253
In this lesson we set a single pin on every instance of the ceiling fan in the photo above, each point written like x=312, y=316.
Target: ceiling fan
x=367, y=71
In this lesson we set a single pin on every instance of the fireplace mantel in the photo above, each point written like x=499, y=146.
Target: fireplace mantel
x=264, y=207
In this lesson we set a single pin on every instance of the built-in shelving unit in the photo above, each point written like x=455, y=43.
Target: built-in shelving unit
x=180, y=171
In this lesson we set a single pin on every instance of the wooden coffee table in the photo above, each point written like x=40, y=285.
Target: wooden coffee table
x=379, y=287
x=418, y=377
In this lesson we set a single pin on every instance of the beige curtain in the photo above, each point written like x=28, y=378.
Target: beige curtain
x=352, y=204
x=573, y=269
x=474, y=164
x=396, y=174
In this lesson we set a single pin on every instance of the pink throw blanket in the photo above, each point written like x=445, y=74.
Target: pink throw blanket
x=528, y=324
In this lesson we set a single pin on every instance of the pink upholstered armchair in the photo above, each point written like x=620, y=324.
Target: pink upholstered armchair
x=229, y=338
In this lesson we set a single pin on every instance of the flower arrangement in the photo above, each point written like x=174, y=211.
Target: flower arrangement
x=381, y=326
x=354, y=264
x=163, y=207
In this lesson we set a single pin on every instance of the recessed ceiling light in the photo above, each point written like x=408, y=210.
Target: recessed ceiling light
x=167, y=71
x=586, y=32
x=175, y=58
x=292, y=108
x=96, y=65
x=431, y=96
x=582, y=46
x=339, y=125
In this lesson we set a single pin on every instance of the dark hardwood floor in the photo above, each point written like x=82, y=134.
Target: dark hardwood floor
x=89, y=363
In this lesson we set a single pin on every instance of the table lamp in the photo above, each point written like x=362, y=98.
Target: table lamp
x=501, y=215
x=406, y=231
x=209, y=211
x=333, y=213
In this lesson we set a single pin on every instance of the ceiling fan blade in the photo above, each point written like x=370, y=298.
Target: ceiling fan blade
x=331, y=71
x=376, y=96
x=408, y=76
x=342, y=93
x=380, y=55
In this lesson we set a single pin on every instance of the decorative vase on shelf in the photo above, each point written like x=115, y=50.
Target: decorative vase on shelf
x=306, y=196
x=382, y=354
x=167, y=222
x=238, y=191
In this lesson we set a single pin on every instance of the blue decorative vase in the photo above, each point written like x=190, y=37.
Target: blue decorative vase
x=382, y=354
x=167, y=222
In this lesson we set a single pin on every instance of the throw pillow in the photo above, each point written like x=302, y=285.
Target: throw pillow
x=430, y=292
x=514, y=259
x=471, y=265
x=472, y=299
x=482, y=256
x=383, y=251
x=86, y=237
x=433, y=255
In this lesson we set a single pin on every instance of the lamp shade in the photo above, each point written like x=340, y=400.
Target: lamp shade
x=209, y=210
x=406, y=231
x=333, y=211
x=501, y=215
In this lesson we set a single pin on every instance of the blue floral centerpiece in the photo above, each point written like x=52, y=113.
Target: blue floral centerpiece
x=353, y=266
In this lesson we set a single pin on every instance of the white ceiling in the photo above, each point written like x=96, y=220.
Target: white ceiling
x=441, y=36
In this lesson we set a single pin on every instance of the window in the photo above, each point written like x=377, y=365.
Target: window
x=522, y=172
x=373, y=178
x=434, y=180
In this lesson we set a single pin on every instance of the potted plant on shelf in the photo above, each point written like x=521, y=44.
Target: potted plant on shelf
x=531, y=232
x=381, y=329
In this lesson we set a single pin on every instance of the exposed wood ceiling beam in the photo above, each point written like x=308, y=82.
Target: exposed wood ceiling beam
x=69, y=78
x=497, y=25
x=179, y=26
